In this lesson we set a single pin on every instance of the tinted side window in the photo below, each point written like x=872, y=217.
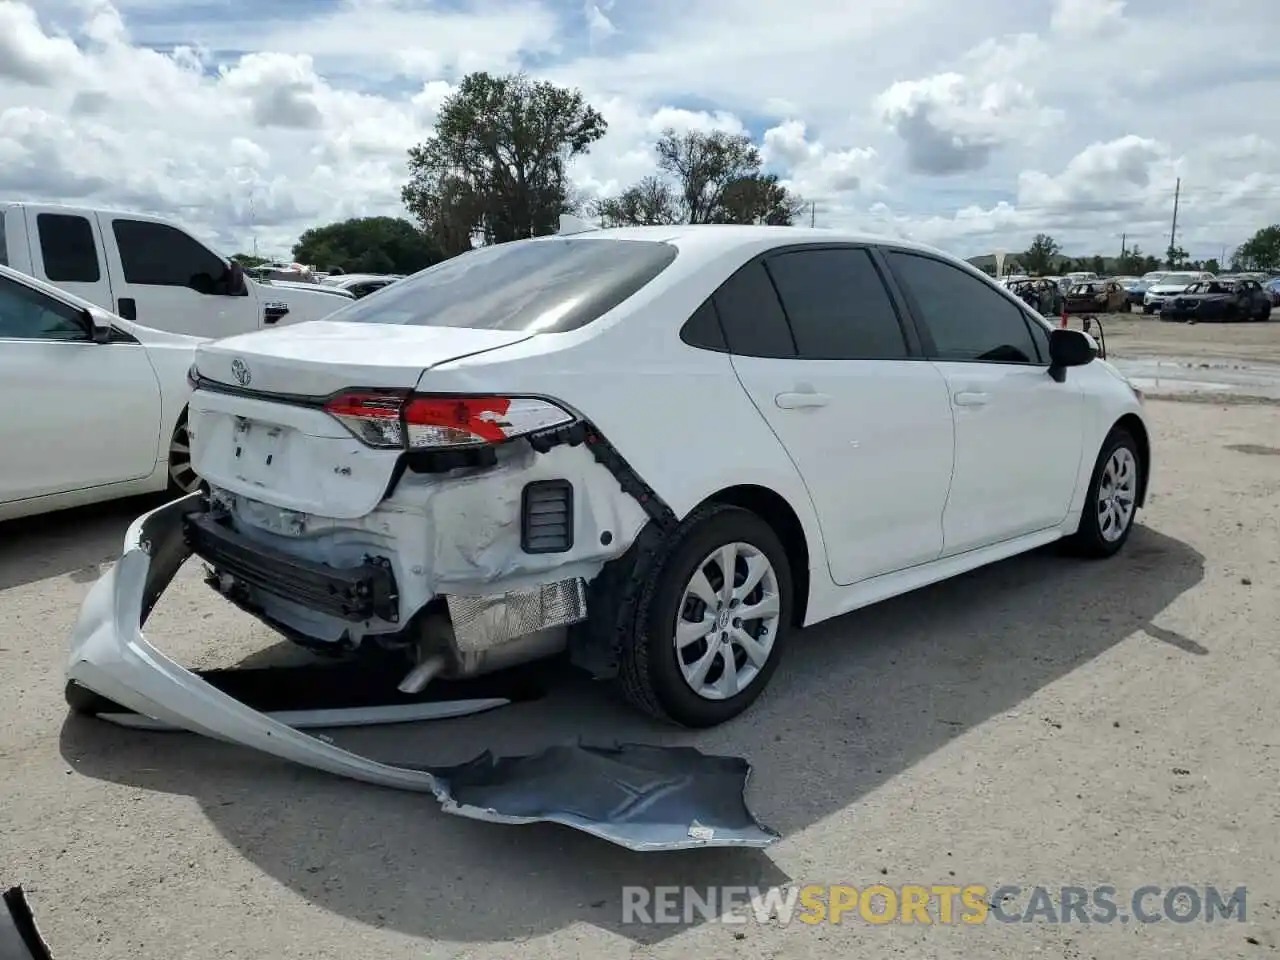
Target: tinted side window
x=1040, y=336
x=753, y=321
x=67, y=248
x=28, y=315
x=837, y=304
x=4, y=250
x=968, y=319
x=703, y=329
x=159, y=255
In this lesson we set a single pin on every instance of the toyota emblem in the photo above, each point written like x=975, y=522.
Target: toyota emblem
x=240, y=370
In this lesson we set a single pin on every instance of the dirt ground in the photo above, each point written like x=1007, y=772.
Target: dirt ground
x=1044, y=721
x=1137, y=335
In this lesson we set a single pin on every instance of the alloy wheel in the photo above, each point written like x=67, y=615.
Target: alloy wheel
x=727, y=621
x=1117, y=494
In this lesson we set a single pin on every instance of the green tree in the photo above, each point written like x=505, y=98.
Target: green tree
x=1213, y=266
x=1261, y=251
x=702, y=177
x=368, y=245
x=497, y=165
x=1040, y=257
x=1175, y=256
x=248, y=260
x=1098, y=265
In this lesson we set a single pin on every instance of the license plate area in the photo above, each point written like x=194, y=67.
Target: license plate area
x=258, y=450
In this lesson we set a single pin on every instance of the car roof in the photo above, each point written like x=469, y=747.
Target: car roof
x=711, y=239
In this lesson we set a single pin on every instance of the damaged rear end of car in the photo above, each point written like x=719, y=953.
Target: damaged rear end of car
x=378, y=487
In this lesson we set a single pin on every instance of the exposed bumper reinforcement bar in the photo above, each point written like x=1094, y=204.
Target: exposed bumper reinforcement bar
x=639, y=797
x=352, y=594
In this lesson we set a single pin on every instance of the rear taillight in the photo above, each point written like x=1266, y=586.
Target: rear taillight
x=427, y=422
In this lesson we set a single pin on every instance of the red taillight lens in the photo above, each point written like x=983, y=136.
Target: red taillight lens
x=425, y=422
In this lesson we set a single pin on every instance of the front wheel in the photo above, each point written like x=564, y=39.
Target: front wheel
x=1148, y=310
x=712, y=618
x=1112, y=500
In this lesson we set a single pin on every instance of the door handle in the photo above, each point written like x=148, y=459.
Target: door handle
x=127, y=307
x=969, y=398
x=795, y=401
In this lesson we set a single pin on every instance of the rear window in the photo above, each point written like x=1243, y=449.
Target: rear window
x=539, y=286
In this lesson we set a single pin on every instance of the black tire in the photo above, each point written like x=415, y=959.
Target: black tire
x=1088, y=539
x=1126, y=307
x=1148, y=310
x=649, y=675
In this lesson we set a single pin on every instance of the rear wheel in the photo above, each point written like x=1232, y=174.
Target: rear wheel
x=182, y=475
x=1112, y=500
x=711, y=621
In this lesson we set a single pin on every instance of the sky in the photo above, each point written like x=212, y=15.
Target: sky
x=971, y=126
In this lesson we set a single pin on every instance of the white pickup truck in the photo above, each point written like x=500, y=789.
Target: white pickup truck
x=150, y=271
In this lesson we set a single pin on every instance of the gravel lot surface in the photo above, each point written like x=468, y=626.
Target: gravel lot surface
x=1044, y=721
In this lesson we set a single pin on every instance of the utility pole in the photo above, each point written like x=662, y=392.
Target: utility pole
x=813, y=213
x=1124, y=249
x=1173, y=233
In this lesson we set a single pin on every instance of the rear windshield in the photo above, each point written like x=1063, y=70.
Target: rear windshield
x=539, y=286
x=1172, y=278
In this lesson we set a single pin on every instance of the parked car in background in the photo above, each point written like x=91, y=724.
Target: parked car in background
x=1166, y=286
x=1272, y=287
x=1041, y=295
x=361, y=284
x=149, y=271
x=488, y=499
x=1207, y=300
x=95, y=406
x=1097, y=296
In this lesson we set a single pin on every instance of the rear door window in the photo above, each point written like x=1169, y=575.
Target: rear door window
x=752, y=318
x=968, y=318
x=67, y=248
x=837, y=305
x=547, y=285
x=158, y=255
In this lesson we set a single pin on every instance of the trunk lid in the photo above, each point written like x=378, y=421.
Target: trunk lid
x=264, y=440
x=322, y=357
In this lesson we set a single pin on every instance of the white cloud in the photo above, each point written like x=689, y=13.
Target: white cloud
x=913, y=117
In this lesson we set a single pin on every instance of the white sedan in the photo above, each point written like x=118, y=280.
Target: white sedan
x=95, y=406
x=659, y=447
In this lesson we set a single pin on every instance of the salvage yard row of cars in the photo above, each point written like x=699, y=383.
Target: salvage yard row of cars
x=1174, y=295
x=653, y=449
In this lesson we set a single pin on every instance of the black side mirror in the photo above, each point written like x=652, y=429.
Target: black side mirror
x=1068, y=348
x=236, y=285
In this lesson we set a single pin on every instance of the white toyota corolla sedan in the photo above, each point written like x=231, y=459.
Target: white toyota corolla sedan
x=659, y=448
x=95, y=406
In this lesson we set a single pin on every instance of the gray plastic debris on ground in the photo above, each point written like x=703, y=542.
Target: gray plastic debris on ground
x=638, y=796
x=644, y=798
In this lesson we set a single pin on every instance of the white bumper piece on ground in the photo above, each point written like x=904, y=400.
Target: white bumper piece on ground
x=640, y=797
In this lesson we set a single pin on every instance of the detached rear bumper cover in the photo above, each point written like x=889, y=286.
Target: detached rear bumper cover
x=640, y=797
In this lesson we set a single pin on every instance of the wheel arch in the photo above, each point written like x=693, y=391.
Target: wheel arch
x=776, y=511
x=1134, y=426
